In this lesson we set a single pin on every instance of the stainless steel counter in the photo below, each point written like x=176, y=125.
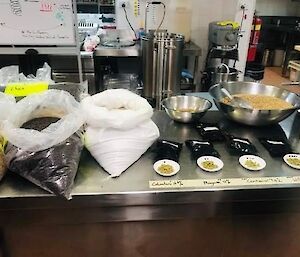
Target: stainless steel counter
x=93, y=180
x=118, y=52
x=130, y=197
x=255, y=222
x=191, y=50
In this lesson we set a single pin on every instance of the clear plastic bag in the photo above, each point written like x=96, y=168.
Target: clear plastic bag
x=51, y=103
x=7, y=106
x=10, y=74
x=46, y=154
x=53, y=169
x=3, y=167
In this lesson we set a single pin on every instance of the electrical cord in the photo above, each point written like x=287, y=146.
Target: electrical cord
x=240, y=30
x=126, y=16
x=242, y=20
x=147, y=10
x=163, y=18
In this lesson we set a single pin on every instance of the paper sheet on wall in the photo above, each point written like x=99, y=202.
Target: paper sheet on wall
x=36, y=22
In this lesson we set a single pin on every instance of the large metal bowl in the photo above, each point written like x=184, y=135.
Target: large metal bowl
x=186, y=109
x=254, y=117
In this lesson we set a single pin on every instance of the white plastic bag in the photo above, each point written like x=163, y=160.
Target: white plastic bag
x=45, y=104
x=44, y=73
x=7, y=106
x=10, y=74
x=90, y=43
x=119, y=128
x=116, y=108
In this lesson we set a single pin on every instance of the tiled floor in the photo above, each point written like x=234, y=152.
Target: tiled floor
x=273, y=77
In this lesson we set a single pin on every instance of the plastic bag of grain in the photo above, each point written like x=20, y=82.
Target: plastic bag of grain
x=119, y=128
x=45, y=140
x=7, y=106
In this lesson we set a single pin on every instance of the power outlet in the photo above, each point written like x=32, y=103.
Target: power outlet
x=243, y=5
x=124, y=3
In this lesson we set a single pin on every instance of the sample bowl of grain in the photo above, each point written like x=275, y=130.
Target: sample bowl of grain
x=166, y=168
x=183, y=108
x=210, y=163
x=269, y=104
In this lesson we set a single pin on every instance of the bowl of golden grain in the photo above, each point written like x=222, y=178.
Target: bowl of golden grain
x=269, y=104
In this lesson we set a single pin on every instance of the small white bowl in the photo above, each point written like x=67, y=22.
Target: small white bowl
x=260, y=162
x=175, y=166
x=218, y=162
x=288, y=156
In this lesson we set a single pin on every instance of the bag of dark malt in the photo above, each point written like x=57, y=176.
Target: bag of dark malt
x=45, y=140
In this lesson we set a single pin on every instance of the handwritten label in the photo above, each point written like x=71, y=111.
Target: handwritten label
x=223, y=183
x=37, y=22
x=46, y=7
x=65, y=7
x=24, y=89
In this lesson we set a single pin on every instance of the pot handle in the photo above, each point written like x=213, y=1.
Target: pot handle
x=226, y=67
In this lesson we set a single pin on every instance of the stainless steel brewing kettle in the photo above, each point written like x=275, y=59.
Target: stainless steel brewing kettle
x=162, y=55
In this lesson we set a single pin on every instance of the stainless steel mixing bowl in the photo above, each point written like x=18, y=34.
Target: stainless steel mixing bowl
x=254, y=117
x=186, y=109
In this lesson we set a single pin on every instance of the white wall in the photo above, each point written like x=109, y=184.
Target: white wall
x=277, y=8
x=245, y=31
x=199, y=13
x=206, y=11
x=171, y=21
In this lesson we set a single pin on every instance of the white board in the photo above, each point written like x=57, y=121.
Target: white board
x=36, y=22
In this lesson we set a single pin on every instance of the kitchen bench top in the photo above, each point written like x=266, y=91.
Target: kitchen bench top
x=139, y=193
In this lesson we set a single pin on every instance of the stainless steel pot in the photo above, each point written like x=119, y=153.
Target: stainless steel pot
x=254, y=117
x=162, y=54
x=220, y=74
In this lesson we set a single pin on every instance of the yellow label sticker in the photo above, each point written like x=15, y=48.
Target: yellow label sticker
x=234, y=24
x=25, y=88
x=258, y=27
x=3, y=143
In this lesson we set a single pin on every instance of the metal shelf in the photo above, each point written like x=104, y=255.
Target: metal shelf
x=87, y=3
x=101, y=5
x=94, y=3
